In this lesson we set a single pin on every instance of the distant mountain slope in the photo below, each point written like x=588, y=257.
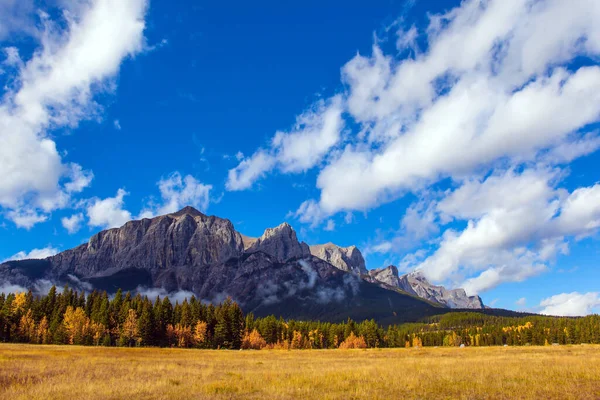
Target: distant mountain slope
x=416, y=284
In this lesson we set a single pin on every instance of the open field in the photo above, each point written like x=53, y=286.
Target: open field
x=66, y=372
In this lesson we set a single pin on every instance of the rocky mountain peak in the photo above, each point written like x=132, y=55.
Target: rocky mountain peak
x=347, y=259
x=188, y=210
x=387, y=275
x=280, y=242
x=416, y=283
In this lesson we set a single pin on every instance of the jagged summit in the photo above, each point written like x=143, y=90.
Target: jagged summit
x=187, y=210
x=415, y=282
x=280, y=242
x=387, y=275
x=347, y=259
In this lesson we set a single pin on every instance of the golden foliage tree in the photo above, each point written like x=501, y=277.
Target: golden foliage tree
x=297, y=341
x=200, y=333
x=19, y=302
x=97, y=331
x=130, y=332
x=253, y=341
x=183, y=335
x=76, y=325
x=27, y=327
x=417, y=342
x=43, y=333
x=354, y=342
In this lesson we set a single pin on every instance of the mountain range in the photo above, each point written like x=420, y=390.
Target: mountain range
x=272, y=274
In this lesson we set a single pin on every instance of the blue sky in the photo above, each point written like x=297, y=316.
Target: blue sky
x=457, y=138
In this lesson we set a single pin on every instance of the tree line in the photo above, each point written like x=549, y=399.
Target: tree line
x=71, y=317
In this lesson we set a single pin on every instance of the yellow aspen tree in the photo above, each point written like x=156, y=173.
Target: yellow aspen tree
x=27, y=327
x=184, y=335
x=19, y=302
x=130, y=332
x=76, y=324
x=200, y=333
x=354, y=342
x=43, y=333
x=253, y=341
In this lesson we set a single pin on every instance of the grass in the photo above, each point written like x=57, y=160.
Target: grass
x=66, y=372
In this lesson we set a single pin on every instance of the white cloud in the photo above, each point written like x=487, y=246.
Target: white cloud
x=152, y=293
x=521, y=302
x=517, y=222
x=17, y=17
x=316, y=131
x=491, y=87
x=330, y=226
x=250, y=170
x=571, y=304
x=117, y=124
x=177, y=192
x=109, y=212
x=496, y=104
x=73, y=223
x=33, y=254
x=53, y=89
x=10, y=288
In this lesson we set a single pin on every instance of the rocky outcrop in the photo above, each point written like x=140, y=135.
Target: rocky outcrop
x=184, y=238
x=347, y=259
x=416, y=283
x=280, y=243
x=387, y=275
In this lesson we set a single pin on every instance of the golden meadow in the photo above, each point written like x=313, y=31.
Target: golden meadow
x=528, y=372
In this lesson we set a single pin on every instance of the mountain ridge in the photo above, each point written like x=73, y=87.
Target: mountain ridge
x=188, y=250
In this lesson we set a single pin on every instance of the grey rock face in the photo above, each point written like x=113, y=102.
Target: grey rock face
x=387, y=275
x=280, y=242
x=347, y=259
x=185, y=238
x=416, y=283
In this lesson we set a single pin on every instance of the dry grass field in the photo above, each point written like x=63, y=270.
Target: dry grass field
x=71, y=372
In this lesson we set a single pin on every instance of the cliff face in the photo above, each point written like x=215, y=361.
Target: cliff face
x=347, y=259
x=185, y=238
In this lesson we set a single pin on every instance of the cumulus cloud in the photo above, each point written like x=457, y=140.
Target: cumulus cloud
x=495, y=87
x=177, y=192
x=109, y=212
x=54, y=88
x=495, y=84
x=33, y=254
x=571, y=304
x=316, y=131
x=73, y=223
x=517, y=222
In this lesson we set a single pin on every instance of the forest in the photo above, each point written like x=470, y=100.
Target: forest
x=67, y=316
